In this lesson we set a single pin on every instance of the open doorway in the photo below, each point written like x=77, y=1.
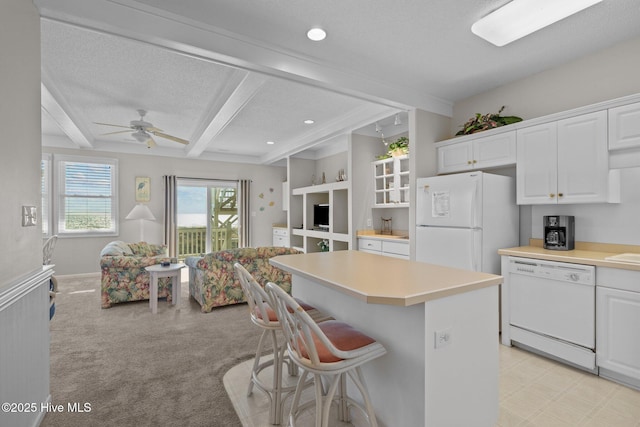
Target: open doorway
x=207, y=216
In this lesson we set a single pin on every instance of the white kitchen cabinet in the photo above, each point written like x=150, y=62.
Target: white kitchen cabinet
x=624, y=127
x=396, y=248
x=617, y=320
x=478, y=153
x=565, y=162
x=391, y=182
x=281, y=237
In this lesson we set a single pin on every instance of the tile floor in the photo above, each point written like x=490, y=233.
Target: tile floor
x=534, y=391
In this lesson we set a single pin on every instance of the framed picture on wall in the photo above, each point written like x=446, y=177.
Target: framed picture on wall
x=143, y=189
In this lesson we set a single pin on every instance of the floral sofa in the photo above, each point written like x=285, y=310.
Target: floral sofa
x=212, y=280
x=123, y=275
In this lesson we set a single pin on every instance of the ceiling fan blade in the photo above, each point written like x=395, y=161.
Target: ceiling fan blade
x=153, y=129
x=150, y=142
x=109, y=124
x=116, y=132
x=171, y=137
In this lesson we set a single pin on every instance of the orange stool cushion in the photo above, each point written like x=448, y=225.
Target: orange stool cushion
x=342, y=336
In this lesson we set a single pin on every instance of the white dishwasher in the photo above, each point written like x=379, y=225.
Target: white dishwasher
x=551, y=309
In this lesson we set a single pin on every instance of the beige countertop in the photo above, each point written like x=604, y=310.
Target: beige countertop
x=378, y=279
x=584, y=253
x=401, y=235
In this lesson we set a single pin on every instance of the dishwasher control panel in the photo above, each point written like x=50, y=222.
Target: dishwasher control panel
x=566, y=272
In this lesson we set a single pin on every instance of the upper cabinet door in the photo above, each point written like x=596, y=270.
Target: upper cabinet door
x=493, y=151
x=537, y=168
x=455, y=157
x=583, y=159
x=624, y=127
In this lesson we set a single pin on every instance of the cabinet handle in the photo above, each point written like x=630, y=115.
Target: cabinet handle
x=468, y=162
x=475, y=161
x=560, y=194
x=551, y=195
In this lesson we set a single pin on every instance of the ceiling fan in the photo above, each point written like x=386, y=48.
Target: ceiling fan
x=142, y=131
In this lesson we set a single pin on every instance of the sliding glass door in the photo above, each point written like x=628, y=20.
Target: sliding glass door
x=207, y=216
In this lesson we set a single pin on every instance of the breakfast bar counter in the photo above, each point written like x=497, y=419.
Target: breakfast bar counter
x=438, y=324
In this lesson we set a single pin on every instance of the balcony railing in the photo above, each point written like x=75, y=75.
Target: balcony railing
x=193, y=240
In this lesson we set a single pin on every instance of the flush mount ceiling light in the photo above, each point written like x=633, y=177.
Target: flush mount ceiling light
x=270, y=142
x=309, y=122
x=316, y=34
x=523, y=17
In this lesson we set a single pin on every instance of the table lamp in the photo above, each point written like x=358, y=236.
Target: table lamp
x=142, y=213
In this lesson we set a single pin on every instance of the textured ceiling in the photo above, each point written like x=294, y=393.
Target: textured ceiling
x=229, y=75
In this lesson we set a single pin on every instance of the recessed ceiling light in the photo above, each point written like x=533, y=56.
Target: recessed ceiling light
x=270, y=142
x=519, y=18
x=309, y=122
x=316, y=34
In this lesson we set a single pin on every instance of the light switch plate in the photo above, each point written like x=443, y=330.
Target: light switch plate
x=29, y=216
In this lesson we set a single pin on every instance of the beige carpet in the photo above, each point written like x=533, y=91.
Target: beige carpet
x=139, y=369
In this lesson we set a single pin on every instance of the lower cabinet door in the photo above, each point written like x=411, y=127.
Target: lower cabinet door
x=617, y=336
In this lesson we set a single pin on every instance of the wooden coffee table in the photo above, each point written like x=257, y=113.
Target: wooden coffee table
x=157, y=271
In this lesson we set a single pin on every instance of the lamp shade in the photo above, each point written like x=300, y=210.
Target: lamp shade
x=141, y=211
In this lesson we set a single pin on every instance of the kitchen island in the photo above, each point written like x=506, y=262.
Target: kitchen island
x=438, y=324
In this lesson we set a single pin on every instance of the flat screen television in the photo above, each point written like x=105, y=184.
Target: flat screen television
x=321, y=216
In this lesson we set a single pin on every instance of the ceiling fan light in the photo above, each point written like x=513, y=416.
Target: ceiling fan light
x=520, y=18
x=140, y=136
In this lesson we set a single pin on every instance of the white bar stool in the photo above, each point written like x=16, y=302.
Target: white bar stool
x=329, y=349
x=264, y=316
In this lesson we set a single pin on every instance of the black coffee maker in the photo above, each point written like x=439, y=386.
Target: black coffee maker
x=558, y=232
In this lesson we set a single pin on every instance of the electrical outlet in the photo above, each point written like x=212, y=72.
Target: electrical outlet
x=442, y=338
x=369, y=222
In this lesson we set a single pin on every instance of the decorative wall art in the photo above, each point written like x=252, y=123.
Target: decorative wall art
x=143, y=189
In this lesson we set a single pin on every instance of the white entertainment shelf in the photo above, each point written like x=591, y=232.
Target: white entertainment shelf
x=336, y=195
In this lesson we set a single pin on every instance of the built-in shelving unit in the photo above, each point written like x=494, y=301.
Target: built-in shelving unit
x=303, y=234
x=391, y=179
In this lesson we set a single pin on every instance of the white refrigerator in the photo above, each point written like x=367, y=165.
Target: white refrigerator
x=463, y=219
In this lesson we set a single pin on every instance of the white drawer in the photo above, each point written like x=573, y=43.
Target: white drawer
x=280, y=232
x=370, y=244
x=399, y=248
x=282, y=241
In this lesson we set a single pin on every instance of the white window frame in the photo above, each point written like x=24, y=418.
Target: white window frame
x=59, y=196
x=47, y=198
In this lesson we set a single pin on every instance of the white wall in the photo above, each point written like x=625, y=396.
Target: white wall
x=76, y=255
x=24, y=320
x=21, y=248
x=609, y=74
x=364, y=150
x=604, y=223
x=330, y=165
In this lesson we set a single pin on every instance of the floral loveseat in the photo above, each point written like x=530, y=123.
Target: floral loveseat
x=212, y=280
x=123, y=275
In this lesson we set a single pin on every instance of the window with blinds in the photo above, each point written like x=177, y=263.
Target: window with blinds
x=87, y=196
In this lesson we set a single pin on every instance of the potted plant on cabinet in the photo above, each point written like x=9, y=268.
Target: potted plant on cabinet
x=399, y=147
